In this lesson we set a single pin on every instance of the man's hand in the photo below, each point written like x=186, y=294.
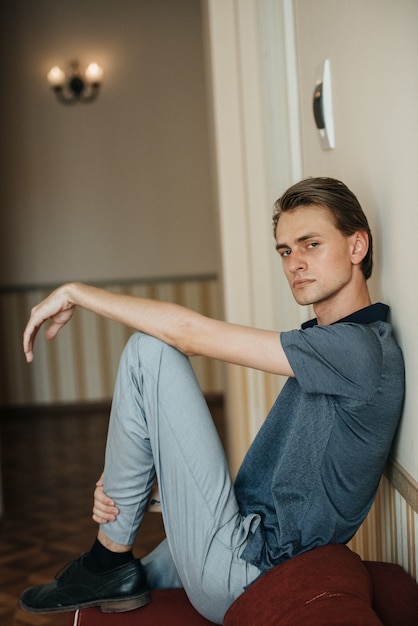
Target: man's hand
x=104, y=509
x=57, y=308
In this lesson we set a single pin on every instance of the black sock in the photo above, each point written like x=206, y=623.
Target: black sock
x=100, y=559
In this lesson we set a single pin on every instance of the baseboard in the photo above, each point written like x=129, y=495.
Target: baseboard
x=65, y=408
x=74, y=408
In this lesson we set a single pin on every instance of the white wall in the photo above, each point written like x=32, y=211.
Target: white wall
x=120, y=188
x=373, y=48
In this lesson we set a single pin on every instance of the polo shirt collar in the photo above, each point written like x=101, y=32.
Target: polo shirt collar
x=374, y=313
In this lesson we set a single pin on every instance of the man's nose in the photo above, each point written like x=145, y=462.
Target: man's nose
x=297, y=262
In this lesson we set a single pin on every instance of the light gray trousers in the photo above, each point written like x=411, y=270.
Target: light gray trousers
x=160, y=426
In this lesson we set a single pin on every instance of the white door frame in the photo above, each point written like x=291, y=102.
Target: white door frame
x=254, y=103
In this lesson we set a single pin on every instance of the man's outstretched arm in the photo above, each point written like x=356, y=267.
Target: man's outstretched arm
x=186, y=330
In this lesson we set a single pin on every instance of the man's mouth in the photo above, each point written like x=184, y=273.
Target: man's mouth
x=299, y=283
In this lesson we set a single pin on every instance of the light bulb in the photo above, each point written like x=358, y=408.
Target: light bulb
x=94, y=73
x=56, y=77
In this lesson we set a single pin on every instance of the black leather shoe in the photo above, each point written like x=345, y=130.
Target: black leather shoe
x=118, y=590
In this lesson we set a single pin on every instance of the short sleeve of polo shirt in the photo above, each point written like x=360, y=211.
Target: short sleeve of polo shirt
x=342, y=359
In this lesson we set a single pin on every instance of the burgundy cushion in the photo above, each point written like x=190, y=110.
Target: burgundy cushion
x=167, y=606
x=395, y=594
x=327, y=586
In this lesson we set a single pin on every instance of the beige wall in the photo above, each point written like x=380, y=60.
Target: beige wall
x=120, y=188
x=372, y=46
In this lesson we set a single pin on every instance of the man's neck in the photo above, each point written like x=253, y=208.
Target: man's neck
x=329, y=312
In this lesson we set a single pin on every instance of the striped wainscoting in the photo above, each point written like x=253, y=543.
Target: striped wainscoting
x=80, y=364
x=390, y=530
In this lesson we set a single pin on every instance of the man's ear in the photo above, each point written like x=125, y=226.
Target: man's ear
x=360, y=246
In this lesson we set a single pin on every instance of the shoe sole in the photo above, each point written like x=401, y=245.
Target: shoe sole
x=126, y=605
x=106, y=606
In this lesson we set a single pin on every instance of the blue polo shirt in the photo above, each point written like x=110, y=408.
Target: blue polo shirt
x=312, y=472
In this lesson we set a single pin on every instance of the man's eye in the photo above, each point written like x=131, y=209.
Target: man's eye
x=313, y=244
x=284, y=253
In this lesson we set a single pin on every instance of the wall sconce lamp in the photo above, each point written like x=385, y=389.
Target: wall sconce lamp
x=74, y=86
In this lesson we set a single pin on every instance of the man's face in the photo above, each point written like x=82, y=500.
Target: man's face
x=316, y=256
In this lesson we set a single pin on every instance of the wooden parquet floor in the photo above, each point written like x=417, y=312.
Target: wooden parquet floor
x=50, y=463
